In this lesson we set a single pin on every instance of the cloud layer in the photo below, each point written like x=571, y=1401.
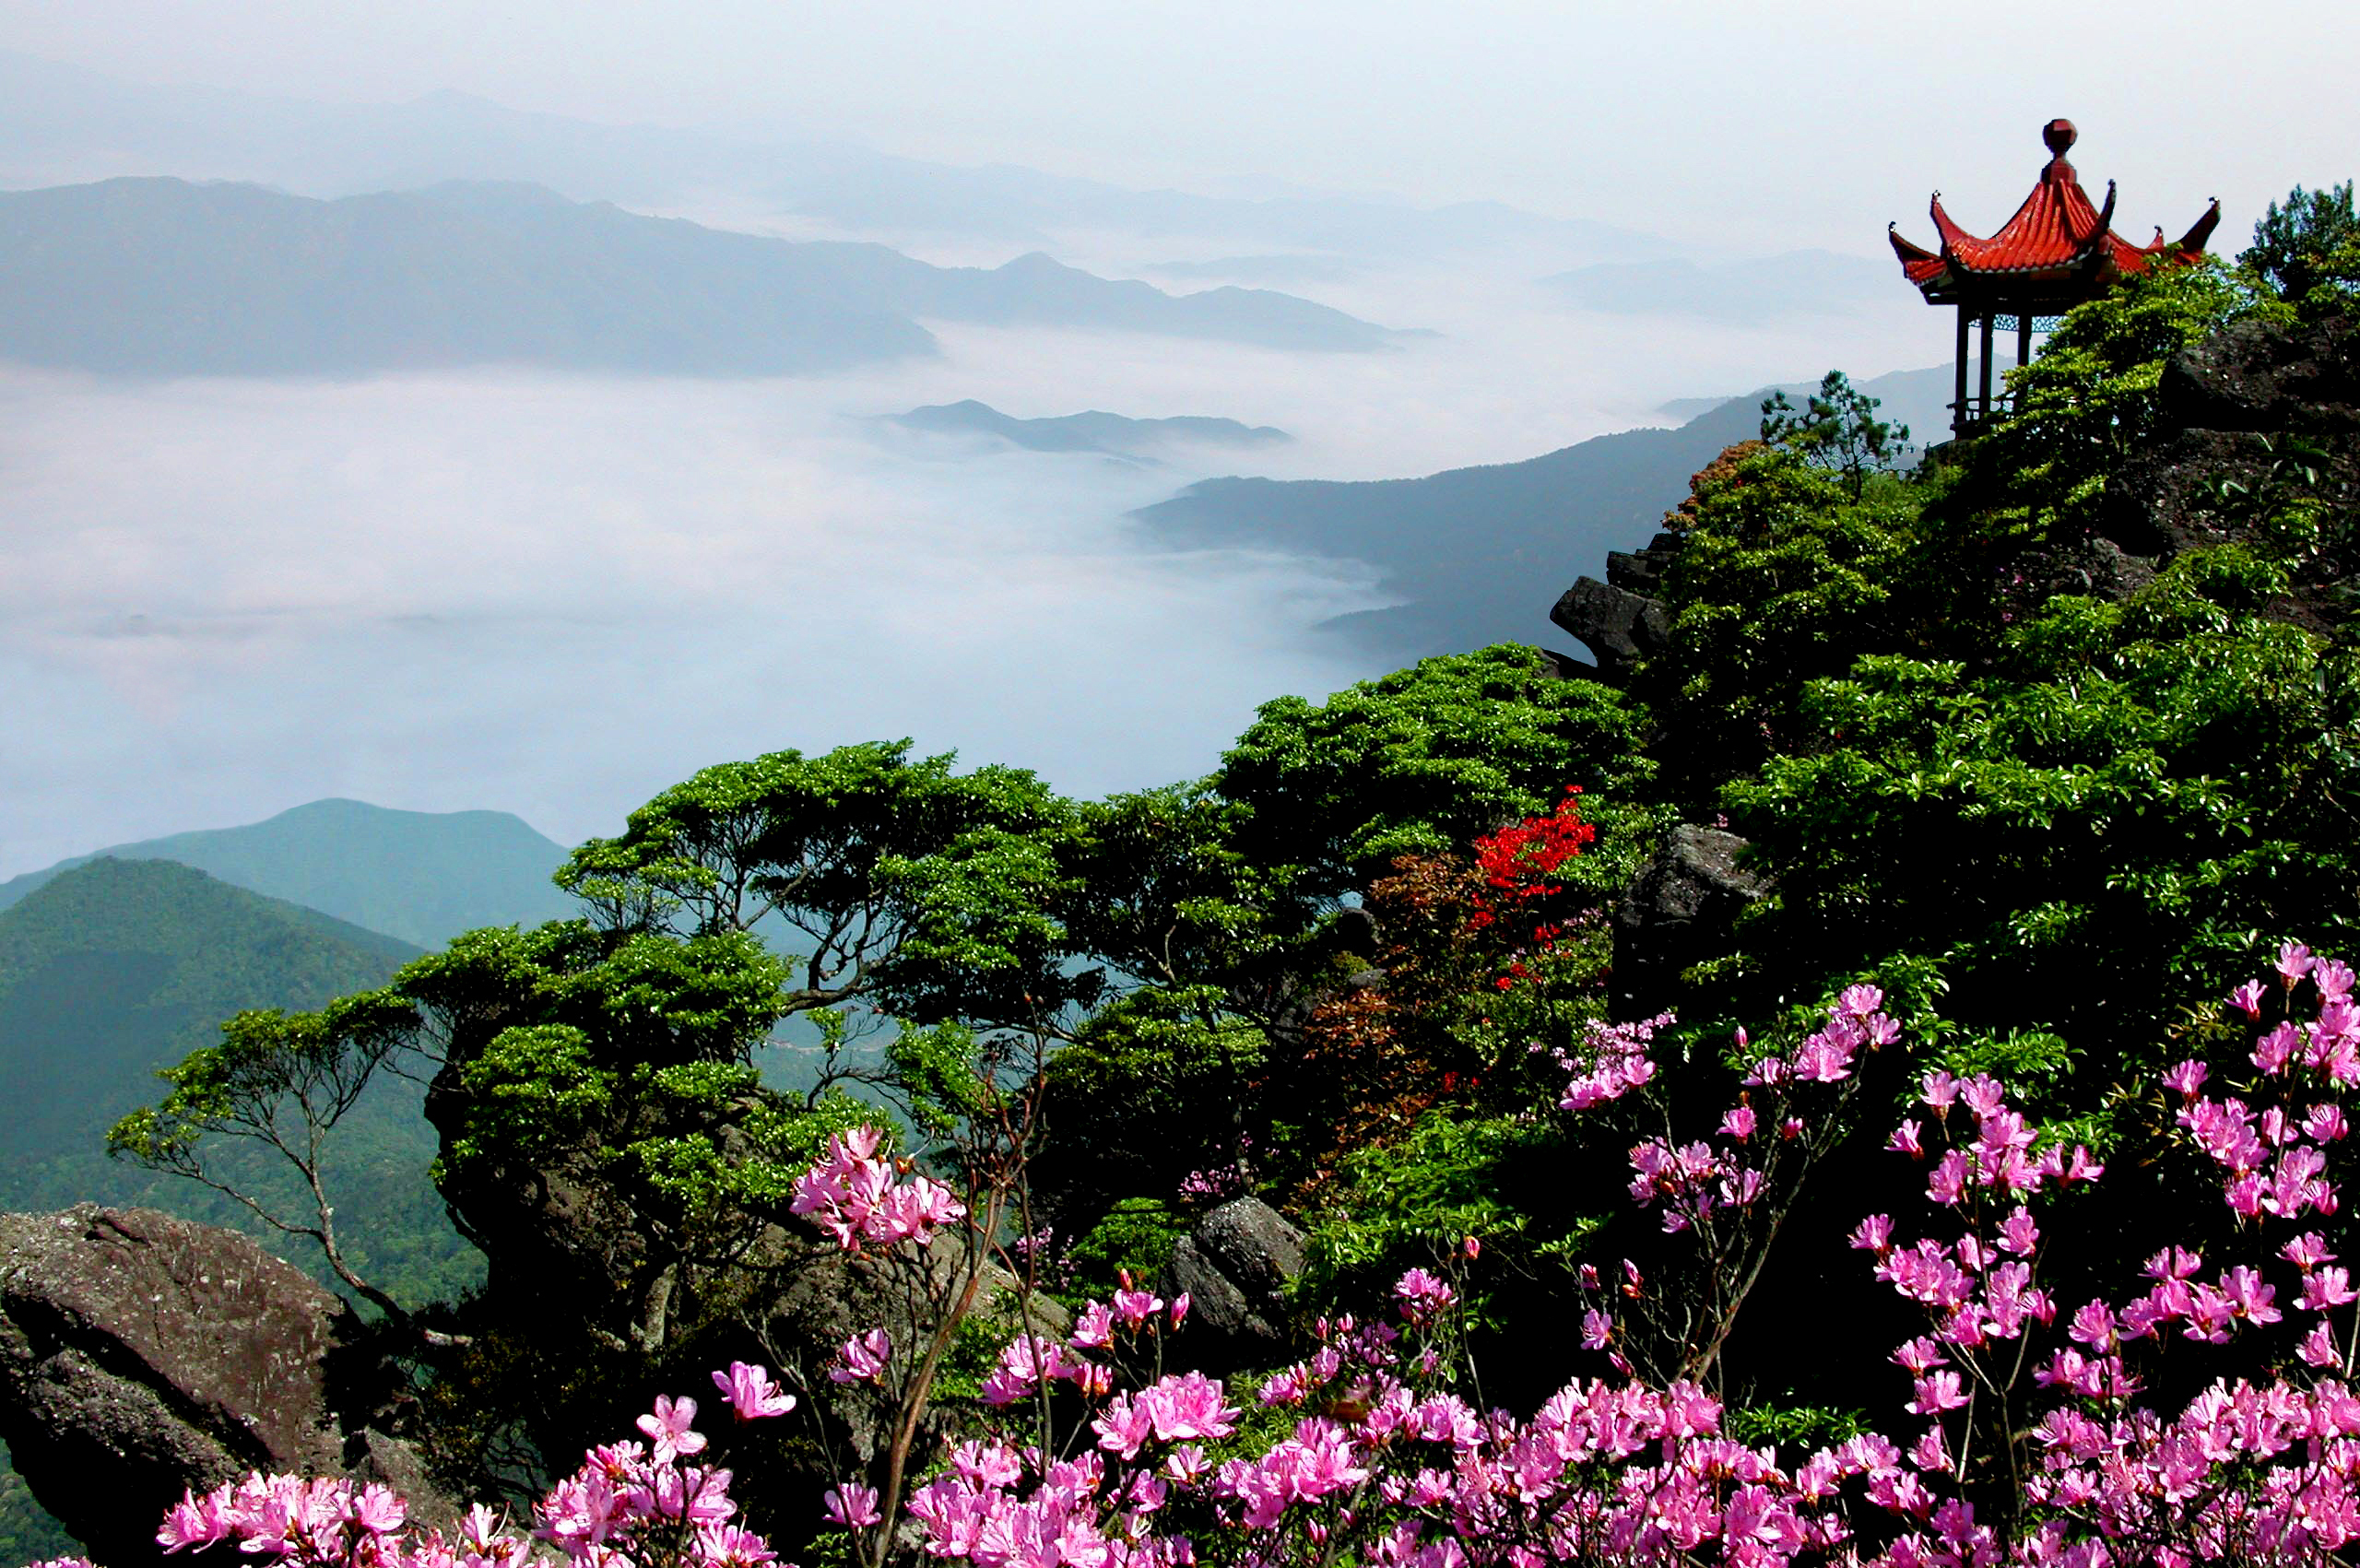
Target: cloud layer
x=557, y=596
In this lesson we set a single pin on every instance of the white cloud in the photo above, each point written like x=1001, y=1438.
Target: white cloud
x=557, y=595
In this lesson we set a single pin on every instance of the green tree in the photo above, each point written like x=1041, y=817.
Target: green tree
x=1837, y=429
x=2308, y=251
x=281, y=1081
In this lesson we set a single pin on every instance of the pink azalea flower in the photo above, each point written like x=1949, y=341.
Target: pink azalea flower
x=2334, y=979
x=669, y=1429
x=853, y=1505
x=1949, y=1179
x=862, y=1358
x=2317, y=1348
x=2306, y=1251
x=2018, y=1234
x=2326, y=1288
x=1094, y=1329
x=1860, y=1000
x=1936, y=1392
x=750, y=1393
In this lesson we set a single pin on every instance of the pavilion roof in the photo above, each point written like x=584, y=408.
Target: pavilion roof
x=2058, y=248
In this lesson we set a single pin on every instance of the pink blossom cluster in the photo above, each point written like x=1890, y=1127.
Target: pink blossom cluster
x=856, y=1196
x=1387, y=1464
x=2275, y=1154
x=1618, y=1063
x=630, y=1506
x=1030, y=1360
x=1689, y=1181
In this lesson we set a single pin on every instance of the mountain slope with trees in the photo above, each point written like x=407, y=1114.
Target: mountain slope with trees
x=120, y=967
x=422, y=876
x=1464, y=547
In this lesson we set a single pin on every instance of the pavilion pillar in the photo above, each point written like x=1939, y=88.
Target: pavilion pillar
x=1983, y=401
x=1958, y=405
x=2056, y=252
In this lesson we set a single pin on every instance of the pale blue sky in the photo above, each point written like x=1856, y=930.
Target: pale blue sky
x=1805, y=123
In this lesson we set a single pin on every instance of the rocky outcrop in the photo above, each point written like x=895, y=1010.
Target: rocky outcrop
x=1235, y=1265
x=2248, y=422
x=141, y=1355
x=1620, y=621
x=2253, y=377
x=1677, y=912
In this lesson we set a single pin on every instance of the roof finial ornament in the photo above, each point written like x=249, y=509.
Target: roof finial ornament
x=2057, y=136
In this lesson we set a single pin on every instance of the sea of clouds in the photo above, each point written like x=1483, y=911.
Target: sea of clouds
x=556, y=594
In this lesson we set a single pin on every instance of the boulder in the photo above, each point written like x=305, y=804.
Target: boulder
x=1677, y=912
x=1620, y=621
x=1235, y=1265
x=143, y=1355
x=2268, y=378
x=1620, y=628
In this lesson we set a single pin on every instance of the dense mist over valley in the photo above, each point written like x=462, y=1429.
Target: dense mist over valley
x=553, y=589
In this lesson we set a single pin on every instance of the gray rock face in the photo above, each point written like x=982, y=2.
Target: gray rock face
x=142, y=1355
x=2246, y=422
x=1234, y=1266
x=1620, y=621
x=1677, y=912
x=2254, y=377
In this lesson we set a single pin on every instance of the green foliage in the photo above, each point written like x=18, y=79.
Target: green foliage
x=2307, y=251
x=1794, y=1429
x=1138, y=1235
x=27, y=1534
x=2087, y=830
x=1836, y=430
x=917, y=890
x=1420, y=762
x=1782, y=578
x=1155, y=1086
x=2086, y=404
x=1402, y=1204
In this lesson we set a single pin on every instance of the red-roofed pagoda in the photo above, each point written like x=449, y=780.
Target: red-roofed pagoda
x=2057, y=251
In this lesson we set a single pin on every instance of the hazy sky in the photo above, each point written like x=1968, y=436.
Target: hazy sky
x=1807, y=122
x=555, y=594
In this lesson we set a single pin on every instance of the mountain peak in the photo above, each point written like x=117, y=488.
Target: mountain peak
x=419, y=876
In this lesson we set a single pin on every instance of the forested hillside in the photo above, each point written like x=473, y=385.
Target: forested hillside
x=422, y=876
x=120, y=967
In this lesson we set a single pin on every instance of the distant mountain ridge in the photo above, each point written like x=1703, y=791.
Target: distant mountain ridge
x=160, y=276
x=1093, y=430
x=62, y=124
x=420, y=876
x=1478, y=555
